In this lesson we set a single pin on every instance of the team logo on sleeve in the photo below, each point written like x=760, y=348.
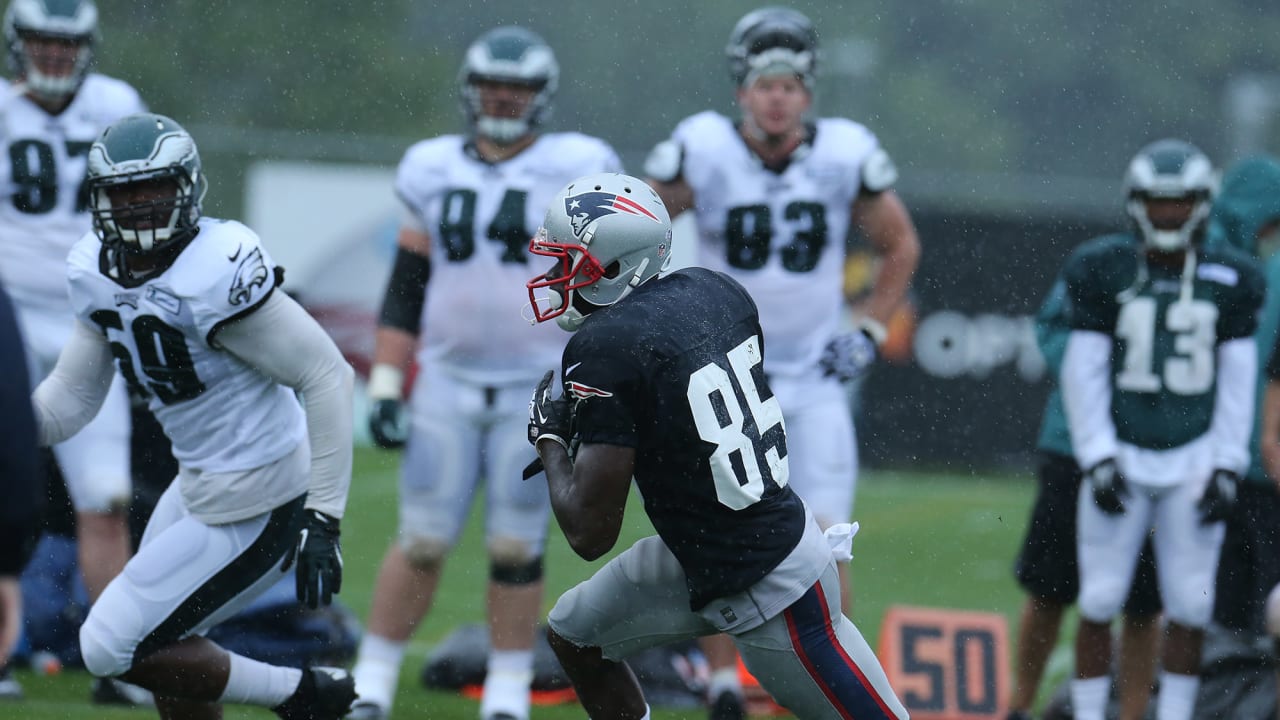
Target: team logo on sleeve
x=588, y=207
x=251, y=273
x=583, y=391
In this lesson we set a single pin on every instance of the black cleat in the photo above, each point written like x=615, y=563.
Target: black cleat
x=325, y=693
x=1018, y=715
x=727, y=706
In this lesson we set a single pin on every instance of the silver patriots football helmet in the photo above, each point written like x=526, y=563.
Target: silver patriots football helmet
x=608, y=233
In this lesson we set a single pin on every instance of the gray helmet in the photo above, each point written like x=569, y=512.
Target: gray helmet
x=610, y=233
x=772, y=40
x=510, y=55
x=73, y=20
x=1170, y=169
x=137, y=149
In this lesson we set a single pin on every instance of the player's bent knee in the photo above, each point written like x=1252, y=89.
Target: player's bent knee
x=424, y=553
x=570, y=622
x=102, y=652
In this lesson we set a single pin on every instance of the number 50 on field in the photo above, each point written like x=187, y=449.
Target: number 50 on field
x=946, y=664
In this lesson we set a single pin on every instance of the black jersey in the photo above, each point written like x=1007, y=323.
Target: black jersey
x=675, y=371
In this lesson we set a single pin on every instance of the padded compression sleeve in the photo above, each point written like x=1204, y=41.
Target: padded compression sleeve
x=286, y=344
x=1086, y=394
x=1233, y=406
x=406, y=292
x=73, y=393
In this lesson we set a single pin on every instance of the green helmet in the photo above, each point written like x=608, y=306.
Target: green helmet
x=139, y=150
x=69, y=20
x=1170, y=169
x=510, y=55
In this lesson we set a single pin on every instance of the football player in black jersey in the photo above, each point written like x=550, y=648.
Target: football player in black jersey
x=664, y=382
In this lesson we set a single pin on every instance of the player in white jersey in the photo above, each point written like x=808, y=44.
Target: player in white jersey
x=774, y=195
x=472, y=203
x=50, y=114
x=187, y=309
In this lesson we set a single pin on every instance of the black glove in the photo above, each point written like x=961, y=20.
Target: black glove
x=1109, y=486
x=549, y=419
x=1219, y=497
x=848, y=355
x=388, y=423
x=319, y=556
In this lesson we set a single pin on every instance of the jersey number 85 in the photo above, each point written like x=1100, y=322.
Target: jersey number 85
x=740, y=442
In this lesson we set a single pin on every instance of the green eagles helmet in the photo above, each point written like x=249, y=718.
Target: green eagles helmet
x=1170, y=169
x=74, y=21
x=138, y=151
x=510, y=55
x=609, y=233
x=772, y=40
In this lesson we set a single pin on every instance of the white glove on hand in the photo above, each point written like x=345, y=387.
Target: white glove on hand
x=849, y=355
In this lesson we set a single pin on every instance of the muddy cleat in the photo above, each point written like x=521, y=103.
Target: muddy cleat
x=727, y=706
x=325, y=693
x=367, y=710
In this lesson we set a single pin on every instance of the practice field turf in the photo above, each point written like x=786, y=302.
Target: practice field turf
x=931, y=540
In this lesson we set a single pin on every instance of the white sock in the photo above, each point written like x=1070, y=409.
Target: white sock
x=508, y=674
x=722, y=681
x=1089, y=697
x=646, y=712
x=1177, y=697
x=377, y=669
x=257, y=683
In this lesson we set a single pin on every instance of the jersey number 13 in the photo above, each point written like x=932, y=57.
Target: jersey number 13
x=1190, y=370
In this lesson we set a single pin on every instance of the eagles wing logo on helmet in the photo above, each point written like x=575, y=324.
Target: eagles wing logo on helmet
x=585, y=208
x=251, y=273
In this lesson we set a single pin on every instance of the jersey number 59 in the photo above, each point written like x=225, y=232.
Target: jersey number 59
x=740, y=440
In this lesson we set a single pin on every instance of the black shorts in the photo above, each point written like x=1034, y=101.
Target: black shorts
x=1046, y=567
x=1250, y=563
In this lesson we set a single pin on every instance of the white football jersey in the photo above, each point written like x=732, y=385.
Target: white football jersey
x=480, y=217
x=782, y=235
x=43, y=205
x=221, y=414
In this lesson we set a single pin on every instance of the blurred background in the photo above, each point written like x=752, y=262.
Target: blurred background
x=1011, y=123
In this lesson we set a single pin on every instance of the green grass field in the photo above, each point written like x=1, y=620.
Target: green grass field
x=927, y=539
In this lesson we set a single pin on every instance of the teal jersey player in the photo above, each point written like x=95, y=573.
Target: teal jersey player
x=1158, y=382
x=1167, y=321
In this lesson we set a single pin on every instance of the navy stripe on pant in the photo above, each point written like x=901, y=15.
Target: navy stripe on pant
x=813, y=638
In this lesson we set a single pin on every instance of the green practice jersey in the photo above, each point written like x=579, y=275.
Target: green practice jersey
x=1165, y=340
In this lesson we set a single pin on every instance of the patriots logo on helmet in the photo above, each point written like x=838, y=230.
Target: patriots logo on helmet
x=588, y=207
x=582, y=391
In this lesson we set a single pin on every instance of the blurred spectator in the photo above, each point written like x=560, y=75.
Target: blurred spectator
x=19, y=482
x=1047, y=568
x=55, y=108
x=1246, y=216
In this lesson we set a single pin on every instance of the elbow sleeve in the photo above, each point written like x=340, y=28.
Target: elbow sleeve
x=406, y=291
